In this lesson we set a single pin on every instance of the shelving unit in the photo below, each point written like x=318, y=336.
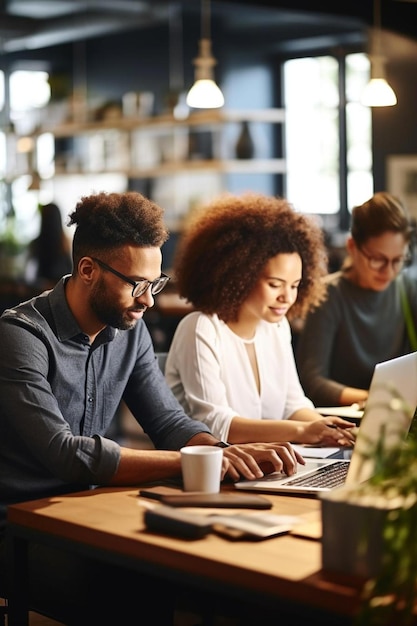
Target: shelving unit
x=180, y=162
x=160, y=146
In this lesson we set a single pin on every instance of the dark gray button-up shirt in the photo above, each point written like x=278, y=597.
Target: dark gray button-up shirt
x=59, y=394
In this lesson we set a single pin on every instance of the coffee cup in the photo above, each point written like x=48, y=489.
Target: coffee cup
x=201, y=468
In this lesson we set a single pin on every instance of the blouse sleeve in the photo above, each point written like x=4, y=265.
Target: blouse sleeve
x=194, y=373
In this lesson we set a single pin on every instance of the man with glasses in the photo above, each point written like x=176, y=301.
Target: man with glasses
x=68, y=357
x=363, y=320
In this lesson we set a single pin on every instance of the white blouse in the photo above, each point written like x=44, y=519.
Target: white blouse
x=209, y=372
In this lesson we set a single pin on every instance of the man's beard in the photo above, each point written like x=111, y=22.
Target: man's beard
x=107, y=311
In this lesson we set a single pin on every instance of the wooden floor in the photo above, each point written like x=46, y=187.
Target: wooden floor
x=35, y=619
x=39, y=620
x=181, y=619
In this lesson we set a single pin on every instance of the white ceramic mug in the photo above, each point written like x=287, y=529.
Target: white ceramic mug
x=201, y=468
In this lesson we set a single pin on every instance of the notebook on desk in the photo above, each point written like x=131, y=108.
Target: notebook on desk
x=394, y=378
x=352, y=412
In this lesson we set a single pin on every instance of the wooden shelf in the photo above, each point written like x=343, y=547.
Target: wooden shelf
x=249, y=166
x=163, y=128
x=180, y=162
x=163, y=122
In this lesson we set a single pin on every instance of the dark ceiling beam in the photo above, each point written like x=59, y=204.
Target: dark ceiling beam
x=32, y=24
x=397, y=15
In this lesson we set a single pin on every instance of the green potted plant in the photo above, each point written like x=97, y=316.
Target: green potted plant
x=370, y=527
x=12, y=252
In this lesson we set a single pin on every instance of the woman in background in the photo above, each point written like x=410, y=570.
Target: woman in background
x=243, y=264
x=50, y=253
x=361, y=322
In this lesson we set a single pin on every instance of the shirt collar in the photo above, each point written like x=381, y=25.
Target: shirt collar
x=65, y=323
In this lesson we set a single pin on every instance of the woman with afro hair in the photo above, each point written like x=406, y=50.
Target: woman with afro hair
x=246, y=263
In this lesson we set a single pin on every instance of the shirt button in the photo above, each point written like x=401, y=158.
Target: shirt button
x=90, y=399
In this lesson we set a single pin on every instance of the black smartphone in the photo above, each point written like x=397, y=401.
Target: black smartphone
x=210, y=500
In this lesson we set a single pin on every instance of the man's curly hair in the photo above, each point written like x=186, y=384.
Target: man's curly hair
x=107, y=221
x=225, y=247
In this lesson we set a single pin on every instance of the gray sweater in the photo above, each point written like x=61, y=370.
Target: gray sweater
x=345, y=337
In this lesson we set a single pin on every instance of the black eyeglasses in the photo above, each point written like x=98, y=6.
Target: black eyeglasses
x=379, y=263
x=139, y=287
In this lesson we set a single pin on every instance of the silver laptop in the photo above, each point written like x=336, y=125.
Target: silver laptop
x=393, y=380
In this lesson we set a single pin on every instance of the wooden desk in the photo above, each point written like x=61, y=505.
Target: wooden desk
x=108, y=523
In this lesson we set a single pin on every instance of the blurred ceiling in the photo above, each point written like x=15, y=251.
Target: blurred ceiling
x=32, y=24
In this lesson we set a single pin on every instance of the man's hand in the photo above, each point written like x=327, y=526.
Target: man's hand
x=254, y=460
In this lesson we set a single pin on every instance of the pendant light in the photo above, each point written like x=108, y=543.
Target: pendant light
x=205, y=94
x=378, y=93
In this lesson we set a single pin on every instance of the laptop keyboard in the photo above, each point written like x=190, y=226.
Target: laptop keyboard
x=326, y=477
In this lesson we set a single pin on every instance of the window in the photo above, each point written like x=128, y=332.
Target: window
x=327, y=136
x=358, y=132
x=29, y=92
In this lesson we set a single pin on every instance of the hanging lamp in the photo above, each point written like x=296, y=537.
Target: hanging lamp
x=205, y=94
x=378, y=92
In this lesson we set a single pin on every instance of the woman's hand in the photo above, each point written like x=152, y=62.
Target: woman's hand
x=330, y=431
x=254, y=460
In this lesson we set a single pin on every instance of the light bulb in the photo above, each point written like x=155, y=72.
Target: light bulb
x=205, y=94
x=378, y=93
